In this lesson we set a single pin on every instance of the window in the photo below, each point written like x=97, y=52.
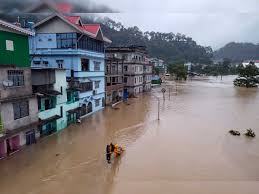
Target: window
x=97, y=84
x=16, y=76
x=60, y=63
x=9, y=45
x=97, y=66
x=88, y=43
x=36, y=62
x=87, y=86
x=46, y=63
x=135, y=80
x=69, y=96
x=125, y=68
x=21, y=109
x=61, y=90
x=85, y=64
x=66, y=40
x=61, y=111
x=125, y=80
x=97, y=102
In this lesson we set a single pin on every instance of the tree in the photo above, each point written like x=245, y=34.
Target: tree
x=178, y=70
x=248, y=71
x=156, y=70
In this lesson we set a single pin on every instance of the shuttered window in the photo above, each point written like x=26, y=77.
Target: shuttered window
x=21, y=109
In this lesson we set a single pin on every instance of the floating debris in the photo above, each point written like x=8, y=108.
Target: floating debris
x=235, y=133
x=250, y=133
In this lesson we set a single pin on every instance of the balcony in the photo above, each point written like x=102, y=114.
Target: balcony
x=114, y=87
x=82, y=74
x=74, y=85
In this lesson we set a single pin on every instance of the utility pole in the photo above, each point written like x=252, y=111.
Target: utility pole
x=158, y=111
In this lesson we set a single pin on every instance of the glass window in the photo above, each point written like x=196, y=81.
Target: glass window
x=60, y=63
x=9, y=45
x=16, y=76
x=85, y=65
x=97, y=66
x=97, y=102
x=97, y=84
x=21, y=109
x=87, y=86
x=66, y=40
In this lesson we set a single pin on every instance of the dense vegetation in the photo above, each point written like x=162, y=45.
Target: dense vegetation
x=248, y=76
x=238, y=52
x=220, y=68
x=178, y=70
x=167, y=46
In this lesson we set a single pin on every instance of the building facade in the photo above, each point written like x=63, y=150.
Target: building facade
x=114, y=80
x=18, y=105
x=65, y=42
x=160, y=65
x=57, y=104
x=147, y=76
x=134, y=61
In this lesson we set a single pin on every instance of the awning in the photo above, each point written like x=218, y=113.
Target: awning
x=13, y=99
x=50, y=93
x=74, y=110
x=10, y=133
x=45, y=121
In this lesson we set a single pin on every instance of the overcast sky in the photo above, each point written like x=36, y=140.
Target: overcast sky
x=209, y=22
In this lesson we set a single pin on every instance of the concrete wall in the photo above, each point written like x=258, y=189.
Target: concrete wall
x=43, y=77
x=43, y=41
x=7, y=113
x=60, y=76
x=6, y=92
x=55, y=25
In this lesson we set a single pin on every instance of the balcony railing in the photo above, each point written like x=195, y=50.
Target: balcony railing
x=114, y=87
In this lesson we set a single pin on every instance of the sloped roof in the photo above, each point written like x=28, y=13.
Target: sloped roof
x=16, y=28
x=91, y=30
x=73, y=19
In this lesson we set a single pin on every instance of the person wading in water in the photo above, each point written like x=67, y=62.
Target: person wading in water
x=108, y=153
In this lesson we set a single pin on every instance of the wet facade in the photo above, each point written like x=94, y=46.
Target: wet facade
x=58, y=105
x=134, y=62
x=18, y=105
x=65, y=42
x=114, y=80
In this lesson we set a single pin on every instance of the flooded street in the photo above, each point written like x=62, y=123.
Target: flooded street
x=188, y=151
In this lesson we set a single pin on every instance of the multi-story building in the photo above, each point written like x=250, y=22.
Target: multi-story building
x=114, y=80
x=134, y=60
x=18, y=105
x=160, y=65
x=65, y=42
x=148, y=71
x=57, y=104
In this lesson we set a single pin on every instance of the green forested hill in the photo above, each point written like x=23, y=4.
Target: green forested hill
x=238, y=52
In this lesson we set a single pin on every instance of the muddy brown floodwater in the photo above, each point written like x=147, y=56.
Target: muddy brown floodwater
x=188, y=151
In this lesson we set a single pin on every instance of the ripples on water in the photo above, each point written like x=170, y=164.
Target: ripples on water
x=188, y=151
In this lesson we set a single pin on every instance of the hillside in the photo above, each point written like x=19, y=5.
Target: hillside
x=238, y=51
x=167, y=46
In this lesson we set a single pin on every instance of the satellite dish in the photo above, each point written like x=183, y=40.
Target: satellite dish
x=8, y=83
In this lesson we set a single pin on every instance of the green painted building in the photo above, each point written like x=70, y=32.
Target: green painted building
x=14, y=48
